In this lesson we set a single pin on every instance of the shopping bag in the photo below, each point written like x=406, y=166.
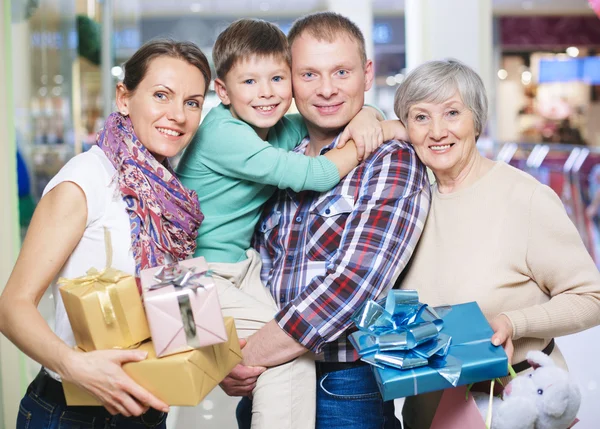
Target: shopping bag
x=456, y=411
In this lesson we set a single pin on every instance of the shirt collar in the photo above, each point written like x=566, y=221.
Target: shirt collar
x=301, y=148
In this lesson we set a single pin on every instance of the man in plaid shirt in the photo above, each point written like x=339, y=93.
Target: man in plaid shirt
x=325, y=254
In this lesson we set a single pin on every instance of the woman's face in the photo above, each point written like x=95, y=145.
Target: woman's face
x=166, y=107
x=443, y=134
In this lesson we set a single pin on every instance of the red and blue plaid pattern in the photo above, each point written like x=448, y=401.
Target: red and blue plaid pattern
x=325, y=254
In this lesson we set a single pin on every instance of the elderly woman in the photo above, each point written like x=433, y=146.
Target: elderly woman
x=494, y=234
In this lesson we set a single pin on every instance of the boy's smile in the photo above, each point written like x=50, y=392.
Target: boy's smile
x=258, y=90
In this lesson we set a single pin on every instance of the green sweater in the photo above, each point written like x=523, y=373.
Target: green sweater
x=235, y=172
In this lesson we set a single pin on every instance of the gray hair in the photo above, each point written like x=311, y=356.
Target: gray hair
x=436, y=82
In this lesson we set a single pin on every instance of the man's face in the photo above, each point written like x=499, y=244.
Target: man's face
x=329, y=81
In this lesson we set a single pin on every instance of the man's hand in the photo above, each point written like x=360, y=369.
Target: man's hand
x=241, y=381
x=503, y=332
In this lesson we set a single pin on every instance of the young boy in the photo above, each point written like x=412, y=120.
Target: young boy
x=238, y=158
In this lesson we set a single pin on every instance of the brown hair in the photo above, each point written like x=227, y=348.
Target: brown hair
x=136, y=67
x=246, y=37
x=328, y=26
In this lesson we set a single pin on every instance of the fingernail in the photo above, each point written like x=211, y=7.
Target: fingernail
x=496, y=341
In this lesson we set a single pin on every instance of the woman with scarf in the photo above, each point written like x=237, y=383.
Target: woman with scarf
x=125, y=186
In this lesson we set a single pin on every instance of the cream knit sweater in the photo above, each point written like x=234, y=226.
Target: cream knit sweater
x=507, y=242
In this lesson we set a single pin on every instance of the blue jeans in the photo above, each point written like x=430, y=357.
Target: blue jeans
x=347, y=399
x=36, y=412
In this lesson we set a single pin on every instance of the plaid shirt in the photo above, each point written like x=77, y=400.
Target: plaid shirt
x=325, y=254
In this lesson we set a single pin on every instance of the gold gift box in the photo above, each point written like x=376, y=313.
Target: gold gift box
x=183, y=379
x=105, y=310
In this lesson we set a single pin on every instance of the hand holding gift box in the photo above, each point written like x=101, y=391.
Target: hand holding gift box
x=182, y=307
x=104, y=307
x=183, y=379
x=417, y=349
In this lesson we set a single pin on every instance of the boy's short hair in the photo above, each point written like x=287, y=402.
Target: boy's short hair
x=328, y=26
x=247, y=37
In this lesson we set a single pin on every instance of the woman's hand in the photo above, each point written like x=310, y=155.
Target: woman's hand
x=100, y=373
x=503, y=332
x=365, y=129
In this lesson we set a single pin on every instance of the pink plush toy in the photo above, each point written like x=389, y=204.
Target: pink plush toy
x=546, y=398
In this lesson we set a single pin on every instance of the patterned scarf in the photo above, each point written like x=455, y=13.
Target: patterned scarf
x=163, y=214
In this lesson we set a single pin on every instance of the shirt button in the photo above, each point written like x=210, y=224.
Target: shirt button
x=290, y=257
x=299, y=219
x=282, y=300
x=327, y=211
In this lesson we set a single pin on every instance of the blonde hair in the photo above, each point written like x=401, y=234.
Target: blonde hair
x=328, y=26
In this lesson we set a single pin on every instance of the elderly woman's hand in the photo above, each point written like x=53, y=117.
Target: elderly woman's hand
x=503, y=332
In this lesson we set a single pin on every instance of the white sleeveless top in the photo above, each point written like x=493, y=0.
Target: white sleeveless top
x=95, y=175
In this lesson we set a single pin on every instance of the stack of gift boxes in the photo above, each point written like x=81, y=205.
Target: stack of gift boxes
x=177, y=321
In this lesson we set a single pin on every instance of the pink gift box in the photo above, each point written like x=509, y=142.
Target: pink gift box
x=183, y=318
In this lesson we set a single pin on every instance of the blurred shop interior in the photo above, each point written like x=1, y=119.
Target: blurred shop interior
x=542, y=74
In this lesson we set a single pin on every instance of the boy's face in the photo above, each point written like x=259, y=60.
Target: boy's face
x=258, y=91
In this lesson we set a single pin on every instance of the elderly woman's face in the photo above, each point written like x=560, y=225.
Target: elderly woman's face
x=443, y=134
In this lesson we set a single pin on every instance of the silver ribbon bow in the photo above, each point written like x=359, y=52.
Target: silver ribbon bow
x=182, y=278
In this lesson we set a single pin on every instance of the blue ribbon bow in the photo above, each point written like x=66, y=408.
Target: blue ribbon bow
x=405, y=334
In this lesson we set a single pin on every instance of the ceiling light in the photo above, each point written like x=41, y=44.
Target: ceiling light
x=572, y=51
x=399, y=78
x=526, y=77
x=116, y=71
x=527, y=5
x=390, y=80
x=502, y=74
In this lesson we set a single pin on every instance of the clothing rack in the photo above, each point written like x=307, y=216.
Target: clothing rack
x=573, y=172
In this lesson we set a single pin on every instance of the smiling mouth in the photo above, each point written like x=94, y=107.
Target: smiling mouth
x=266, y=109
x=441, y=147
x=329, y=108
x=169, y=132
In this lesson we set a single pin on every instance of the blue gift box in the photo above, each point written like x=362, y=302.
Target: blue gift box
x=471, y=346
